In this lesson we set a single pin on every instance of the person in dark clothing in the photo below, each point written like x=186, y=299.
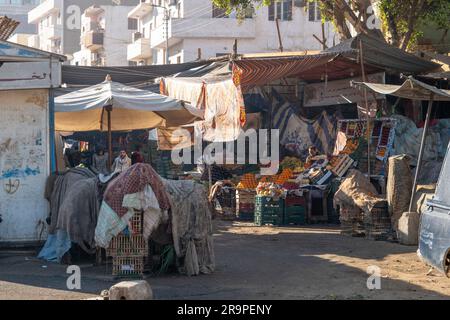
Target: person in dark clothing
x=76, y=156
x=136, y=156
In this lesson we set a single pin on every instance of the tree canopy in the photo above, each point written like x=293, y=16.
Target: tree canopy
x=397, y=21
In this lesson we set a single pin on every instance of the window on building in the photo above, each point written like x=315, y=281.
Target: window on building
x=281, y=10
x=219, y=12
x=132, y=24
x=314, y=11
x=179, y=59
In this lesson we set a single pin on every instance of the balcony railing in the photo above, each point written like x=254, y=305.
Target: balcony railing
x=139, y=50
x=92, y=40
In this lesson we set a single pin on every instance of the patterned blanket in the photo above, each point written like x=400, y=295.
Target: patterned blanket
x=132, y=181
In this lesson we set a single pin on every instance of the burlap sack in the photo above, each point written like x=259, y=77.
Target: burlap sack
x=399, y=186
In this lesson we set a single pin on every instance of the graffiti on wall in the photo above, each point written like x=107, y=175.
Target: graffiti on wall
x=22, y=149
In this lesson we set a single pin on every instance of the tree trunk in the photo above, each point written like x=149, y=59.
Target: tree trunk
x=416, y=8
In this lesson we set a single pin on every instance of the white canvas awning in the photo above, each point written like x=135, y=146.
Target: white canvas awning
x=411, y=89
x=84, y=110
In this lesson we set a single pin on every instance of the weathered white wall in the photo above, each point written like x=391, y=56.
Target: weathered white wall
x=117, y=35
x=195, y=28
x=24, y=164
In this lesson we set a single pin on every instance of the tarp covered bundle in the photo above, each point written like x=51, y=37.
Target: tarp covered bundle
x=84, y=110
x=408, y=137
x=114, y=215
x=182, y=205
x=191, y=226
x=298, y=133
x=74, y=206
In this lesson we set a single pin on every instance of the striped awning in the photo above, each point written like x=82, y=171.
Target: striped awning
x=256, y=72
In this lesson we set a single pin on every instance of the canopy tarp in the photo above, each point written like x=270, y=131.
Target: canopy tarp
x=411, y=89
x=84, y=110
x=415, y=90
x=220, y=99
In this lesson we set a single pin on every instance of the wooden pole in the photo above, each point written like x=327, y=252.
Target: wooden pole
x=420, y=156
x=324, y=40
x=108, y=112
x=363, y=73
x=279, y=35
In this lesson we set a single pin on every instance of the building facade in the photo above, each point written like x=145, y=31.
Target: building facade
x=193, y=29
x=105, y=34
x=59, y=23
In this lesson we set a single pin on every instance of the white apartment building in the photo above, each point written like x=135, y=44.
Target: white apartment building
x=59, y=24
x=48, y=18
x=196, y=29
x=105, y=34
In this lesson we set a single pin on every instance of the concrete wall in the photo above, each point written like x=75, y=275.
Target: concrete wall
x=117, y=35
x=24, y=164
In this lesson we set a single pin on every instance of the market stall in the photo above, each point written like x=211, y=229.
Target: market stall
x=127, y=213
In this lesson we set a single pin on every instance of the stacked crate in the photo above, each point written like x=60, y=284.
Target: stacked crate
x=377, y=222
x=129, y=249
x=245, y=204
x=227, y=202
x=268, y=211
x=294, y=210
x=351, y=219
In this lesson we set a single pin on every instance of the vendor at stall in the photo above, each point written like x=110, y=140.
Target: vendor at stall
x=122, y=162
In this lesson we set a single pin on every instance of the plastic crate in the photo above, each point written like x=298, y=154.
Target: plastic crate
x=268, y=211
x=294, y=215
x=128, y=266
x=245, y=195
x=121, y=245
x=246, y=216
x=247, y=207
x=292, y=200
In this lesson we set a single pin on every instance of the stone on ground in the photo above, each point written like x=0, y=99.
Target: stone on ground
x=131, y=290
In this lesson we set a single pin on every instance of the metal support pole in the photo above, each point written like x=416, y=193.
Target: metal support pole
x=419, y=158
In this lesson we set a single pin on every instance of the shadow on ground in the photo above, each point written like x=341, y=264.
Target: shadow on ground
x=257, y=263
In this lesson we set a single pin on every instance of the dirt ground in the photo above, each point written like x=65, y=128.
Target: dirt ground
x=313, y=262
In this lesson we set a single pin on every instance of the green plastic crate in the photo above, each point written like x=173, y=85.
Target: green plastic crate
x=294, y=215
x=268, y=211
